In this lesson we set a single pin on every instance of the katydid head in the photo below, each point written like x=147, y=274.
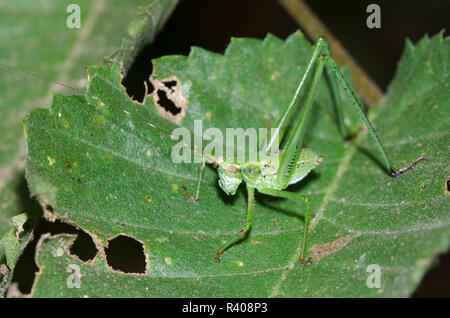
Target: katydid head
x=230, y=177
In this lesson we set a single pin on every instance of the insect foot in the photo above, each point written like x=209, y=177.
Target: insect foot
x=306, y=262
x=187, y=195
x=217, y=257
x=412, y=166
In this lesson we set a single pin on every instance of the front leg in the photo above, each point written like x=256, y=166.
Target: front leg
x=199, y=180
x=294, y=197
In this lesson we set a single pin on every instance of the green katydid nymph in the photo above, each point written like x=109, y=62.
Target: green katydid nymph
x=272, y=175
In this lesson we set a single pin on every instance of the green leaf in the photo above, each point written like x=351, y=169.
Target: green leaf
x=112, y=174
x=40, y=42
x=55, y=52
x=13, y=243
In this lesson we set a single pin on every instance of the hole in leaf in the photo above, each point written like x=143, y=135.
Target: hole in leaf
x=436, y=282
x=137, y=74
x=125, y=254
x=167, y=103
x=168, y=99
x=83, y=247
x=170, y=84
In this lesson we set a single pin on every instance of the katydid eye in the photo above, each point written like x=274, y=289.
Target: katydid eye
x=232, y=169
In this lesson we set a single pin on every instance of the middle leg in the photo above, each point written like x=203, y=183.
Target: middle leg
x=248, y=223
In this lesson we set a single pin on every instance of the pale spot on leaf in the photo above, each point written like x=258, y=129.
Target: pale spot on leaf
x=319, y=251
x=51, y=161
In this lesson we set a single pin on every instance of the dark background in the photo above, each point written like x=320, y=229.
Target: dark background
x=211, y=23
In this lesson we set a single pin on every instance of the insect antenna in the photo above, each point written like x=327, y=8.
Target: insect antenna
x=207, y=158
x=40, y=77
